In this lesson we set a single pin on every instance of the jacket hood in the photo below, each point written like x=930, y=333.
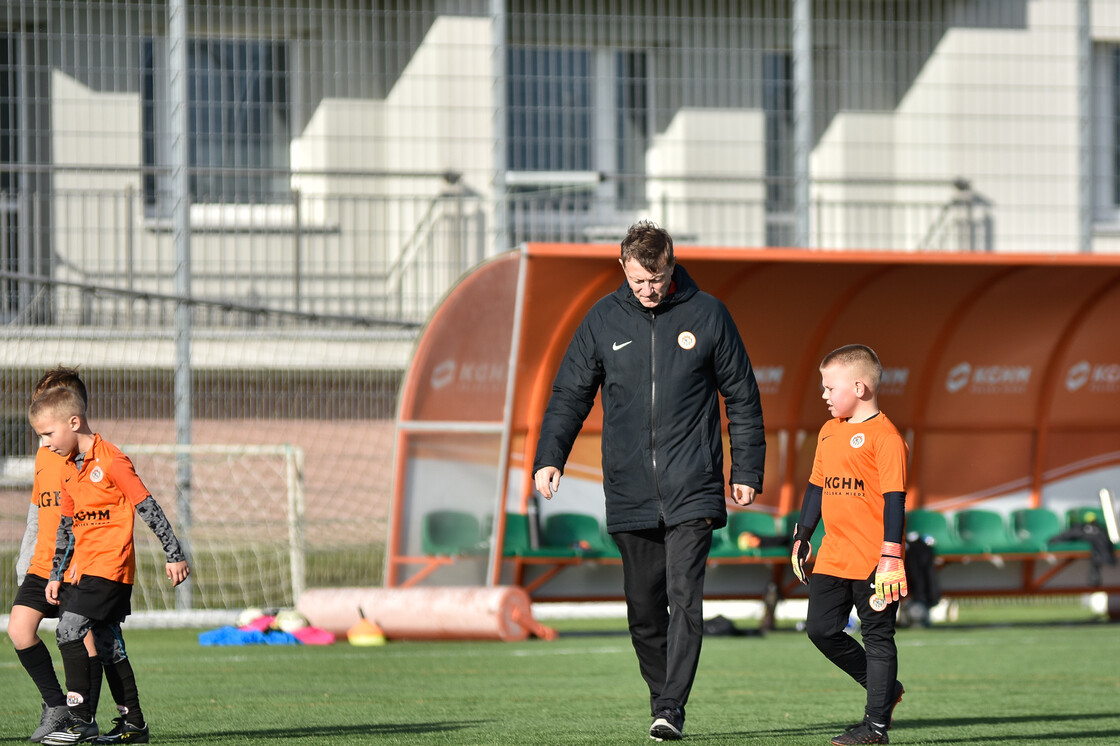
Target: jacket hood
x=686, y=287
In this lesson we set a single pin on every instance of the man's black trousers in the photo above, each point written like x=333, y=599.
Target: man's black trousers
x=663, y=571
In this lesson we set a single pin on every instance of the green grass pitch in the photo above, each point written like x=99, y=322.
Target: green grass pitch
x=1000, y=675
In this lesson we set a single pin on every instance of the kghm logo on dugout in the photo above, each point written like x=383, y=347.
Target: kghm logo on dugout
x=1097, y=378
x=987, y=379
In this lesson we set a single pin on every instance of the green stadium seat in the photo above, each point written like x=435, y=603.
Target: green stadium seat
x=575, y=532
x=986, y=531
x=517, y=541
x=1083, y=514
x=722, y=545
x=934, y=524
x=758, y=523
x=451, y=532
x=1036, y=526
x=516, y=537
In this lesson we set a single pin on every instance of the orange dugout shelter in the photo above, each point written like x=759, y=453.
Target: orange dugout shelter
x=1002, y=370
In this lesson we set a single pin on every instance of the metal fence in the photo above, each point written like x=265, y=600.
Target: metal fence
x=291, y=187
x=382, y=257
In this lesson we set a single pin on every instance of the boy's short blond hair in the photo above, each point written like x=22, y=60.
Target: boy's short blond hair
x=63, y=402
x=861, y=360
x=61, y=377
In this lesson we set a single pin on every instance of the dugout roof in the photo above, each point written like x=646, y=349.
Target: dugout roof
x=1002, y=370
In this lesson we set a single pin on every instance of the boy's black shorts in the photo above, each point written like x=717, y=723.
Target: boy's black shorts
x=99, y=599
x=32, y=593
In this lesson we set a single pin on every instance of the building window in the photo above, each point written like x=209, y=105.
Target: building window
x=1113, y=126
x=777, y=107
x=239, y=128
x=550, y=108
x=1106, y=133
x=584, y=112
x=633, y=98
x=9, y=114
x=9, y=181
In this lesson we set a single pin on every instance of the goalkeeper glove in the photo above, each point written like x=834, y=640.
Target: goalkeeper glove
x=802, y=551
x=890, y=575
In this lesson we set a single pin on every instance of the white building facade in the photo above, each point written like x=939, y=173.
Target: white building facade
x=354, y=158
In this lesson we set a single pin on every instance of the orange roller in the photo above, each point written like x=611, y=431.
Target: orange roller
x=442, y=613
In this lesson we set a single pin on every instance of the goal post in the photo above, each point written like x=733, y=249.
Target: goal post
x=244, y=531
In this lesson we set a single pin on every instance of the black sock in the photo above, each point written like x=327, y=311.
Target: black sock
x=75, y=661
x=37, y=661
x=116, y=686
x=94, y=684
x=130, y=695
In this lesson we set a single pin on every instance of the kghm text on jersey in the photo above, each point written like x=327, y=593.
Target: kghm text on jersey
x=91, y=515
x=49, y=499
x=843, y=483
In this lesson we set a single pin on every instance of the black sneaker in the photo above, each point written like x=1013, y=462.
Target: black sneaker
x=125, y=732
x=865, y=732
x=50, y=721
x=668, y=725
x=72, y=730
x=899, y=690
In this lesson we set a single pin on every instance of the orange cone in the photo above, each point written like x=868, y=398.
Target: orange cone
x=365, y=632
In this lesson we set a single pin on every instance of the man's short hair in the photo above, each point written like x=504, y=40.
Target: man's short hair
x=61, y=377
x=649, y=245
x=62, y=402
x=861, y=359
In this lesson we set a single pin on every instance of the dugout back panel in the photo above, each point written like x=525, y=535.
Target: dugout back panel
x=1002, y=370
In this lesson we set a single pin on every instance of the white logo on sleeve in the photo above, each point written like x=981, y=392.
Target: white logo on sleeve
x=616, y=346
x=687, y=340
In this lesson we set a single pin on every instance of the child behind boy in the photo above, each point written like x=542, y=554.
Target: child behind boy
x=33, y=569
x=858, y=486
x=94, y=551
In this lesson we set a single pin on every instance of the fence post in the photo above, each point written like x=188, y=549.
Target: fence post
x=129, y=278
x=297, y=231
x=179, y=68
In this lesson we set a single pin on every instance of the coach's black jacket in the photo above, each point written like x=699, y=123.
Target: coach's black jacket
x=660, y=370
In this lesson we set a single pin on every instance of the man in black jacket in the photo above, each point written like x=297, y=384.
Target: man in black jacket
x=662, y=351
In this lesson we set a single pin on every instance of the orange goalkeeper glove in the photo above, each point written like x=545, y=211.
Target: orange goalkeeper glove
x=802, y=551
x=890, y=575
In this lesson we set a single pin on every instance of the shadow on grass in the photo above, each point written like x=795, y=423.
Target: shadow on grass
x=338, y=731
x=574, y=633
x=1017, y=624
x=914, y=727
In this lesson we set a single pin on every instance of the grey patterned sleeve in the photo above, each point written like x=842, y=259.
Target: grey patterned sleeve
x=27, y=546
x=152, y=514
x=63, y=548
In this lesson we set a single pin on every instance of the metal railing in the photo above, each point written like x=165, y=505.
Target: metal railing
x=387, y=251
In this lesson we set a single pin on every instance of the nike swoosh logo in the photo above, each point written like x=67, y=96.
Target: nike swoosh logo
x=825, y=438
x=616, y=346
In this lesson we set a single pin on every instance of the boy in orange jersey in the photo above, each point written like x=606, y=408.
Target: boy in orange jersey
x=858, y=486
x=94, y=552
x=33, y=568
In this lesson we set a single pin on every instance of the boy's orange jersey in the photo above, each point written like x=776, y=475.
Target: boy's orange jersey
x=46, y=495
x=102, y=499
x=856, y=464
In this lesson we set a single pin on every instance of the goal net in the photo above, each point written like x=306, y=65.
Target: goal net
x=252, y=542
x=241, y=517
